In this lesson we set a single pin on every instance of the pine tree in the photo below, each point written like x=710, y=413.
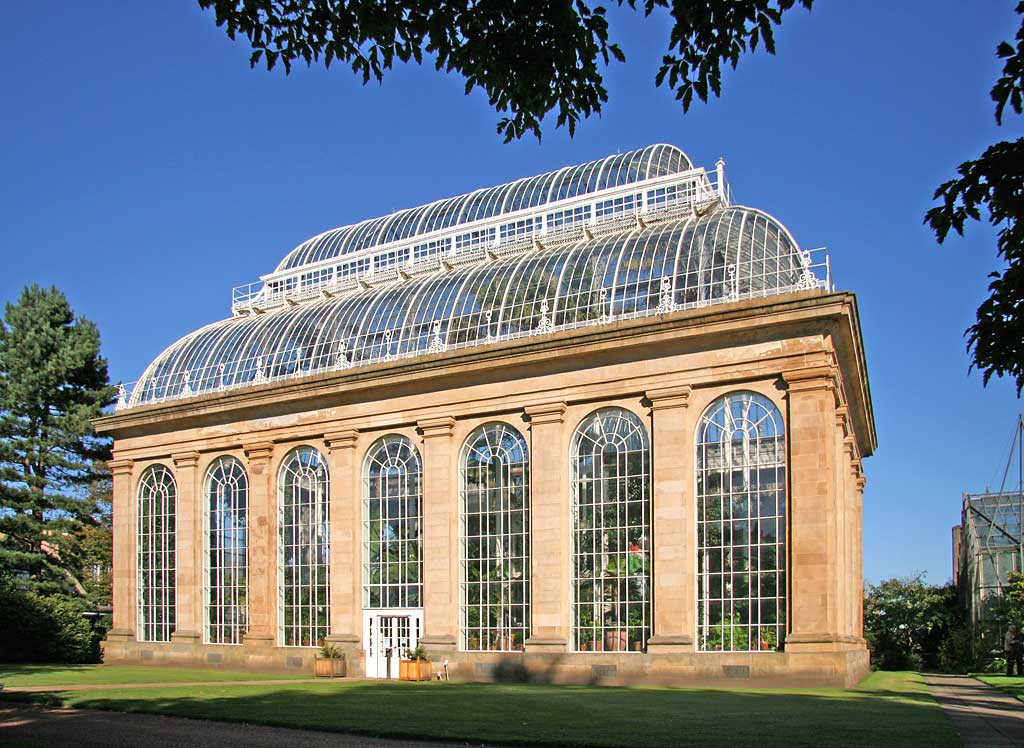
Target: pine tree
x=53, y=381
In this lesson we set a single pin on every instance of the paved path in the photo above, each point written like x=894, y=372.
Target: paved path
x=41, y=727
x=985, y=717
x=171, y=684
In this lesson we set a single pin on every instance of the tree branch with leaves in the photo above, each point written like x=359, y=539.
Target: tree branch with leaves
x=529, y=57
x=992, y=188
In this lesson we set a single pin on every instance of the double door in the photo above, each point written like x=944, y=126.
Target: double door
x=388, y=633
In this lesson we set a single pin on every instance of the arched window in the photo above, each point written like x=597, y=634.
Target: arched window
x=392, y=520
x=303, y=548
x=155, y=575
x=494, y=547
x=741, y=525
x=226, y=495
x=611, y=567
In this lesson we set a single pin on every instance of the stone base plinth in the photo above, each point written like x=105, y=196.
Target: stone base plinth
x=840, y=664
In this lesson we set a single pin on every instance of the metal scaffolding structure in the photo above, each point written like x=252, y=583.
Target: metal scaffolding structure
x=990, y=543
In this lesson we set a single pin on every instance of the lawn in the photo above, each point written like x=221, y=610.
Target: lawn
x=82, y=675
x=888, y=709
x=1013, y=685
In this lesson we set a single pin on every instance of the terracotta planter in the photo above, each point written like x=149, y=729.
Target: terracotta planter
x=637, y=646
x=766, y=646
x=415, y=670
x=616, y=640
x=324, y=667
x=585, y=647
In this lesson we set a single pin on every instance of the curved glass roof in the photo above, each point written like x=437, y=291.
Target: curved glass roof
x=571, y=181
x=727, y=254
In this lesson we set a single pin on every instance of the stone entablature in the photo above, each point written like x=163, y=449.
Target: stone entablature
x=802, y=352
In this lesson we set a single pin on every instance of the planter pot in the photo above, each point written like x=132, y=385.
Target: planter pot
x=766, y=646
x=324, y=667
x=637, y=646
x=585, y=647
x=415, y=670
x=616, y=640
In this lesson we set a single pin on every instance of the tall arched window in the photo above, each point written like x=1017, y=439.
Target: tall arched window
x=392, y=520
x=741, y=525
x=303, y=548
x=155, y=569
x=226, y=495
x=494, y=547
x=611, y=567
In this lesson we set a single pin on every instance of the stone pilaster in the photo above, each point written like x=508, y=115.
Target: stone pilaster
x=262, y=539
x=858, y=529
x=124, y=538
x=188, y=550
x=549, y=530
x=673, y=514
x=813, y=613
x=346, y=539
x=440, y=535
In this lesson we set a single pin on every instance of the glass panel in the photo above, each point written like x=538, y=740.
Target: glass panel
x=392, y=520
x=226, y=494
x=611, y=566
x=303, y=549
x=741, y=506
x=494, y=540
x=155, y=588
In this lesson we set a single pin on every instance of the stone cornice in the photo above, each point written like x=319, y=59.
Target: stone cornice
x=812, y=378
x=185, y=459
x=843, y=420
x=669, y=398
x=258, y=451
x=792, y=315
x=433, y=428
x=338, y=440
x=120, y=467
x=546, y=413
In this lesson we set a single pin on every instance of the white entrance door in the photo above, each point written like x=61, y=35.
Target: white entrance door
x=389, y=630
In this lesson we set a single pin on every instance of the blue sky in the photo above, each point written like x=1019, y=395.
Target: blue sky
x=147, y=170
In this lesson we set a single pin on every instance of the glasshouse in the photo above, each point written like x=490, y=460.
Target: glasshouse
x=597, y=425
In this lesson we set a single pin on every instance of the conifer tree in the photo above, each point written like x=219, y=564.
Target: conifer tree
x=53, y=381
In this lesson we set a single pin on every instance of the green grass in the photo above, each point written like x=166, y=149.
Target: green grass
x=1013, y=685
x=82, y=675
x=888, y=709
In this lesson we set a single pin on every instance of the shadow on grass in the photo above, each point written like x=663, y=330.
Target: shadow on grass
x=561, y=715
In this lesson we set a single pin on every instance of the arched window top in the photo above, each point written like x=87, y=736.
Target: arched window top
x=306, y=463
x=739, y=414
x=494, y=442
x=392, y=452
x=226, y=471
x=157, y=479
x=610, y=427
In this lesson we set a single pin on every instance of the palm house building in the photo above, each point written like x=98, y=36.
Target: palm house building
x=597, y=425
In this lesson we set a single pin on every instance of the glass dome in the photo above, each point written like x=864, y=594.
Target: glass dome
x=531, y=192
x=727, y=254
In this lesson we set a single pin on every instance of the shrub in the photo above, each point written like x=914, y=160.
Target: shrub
x=40, y=628
x=958, y=652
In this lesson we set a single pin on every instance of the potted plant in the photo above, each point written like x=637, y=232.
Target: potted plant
x=329, y=662
x=417, y=665
x=768, y=639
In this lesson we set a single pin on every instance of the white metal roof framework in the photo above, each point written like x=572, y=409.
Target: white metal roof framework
x=634, y=234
